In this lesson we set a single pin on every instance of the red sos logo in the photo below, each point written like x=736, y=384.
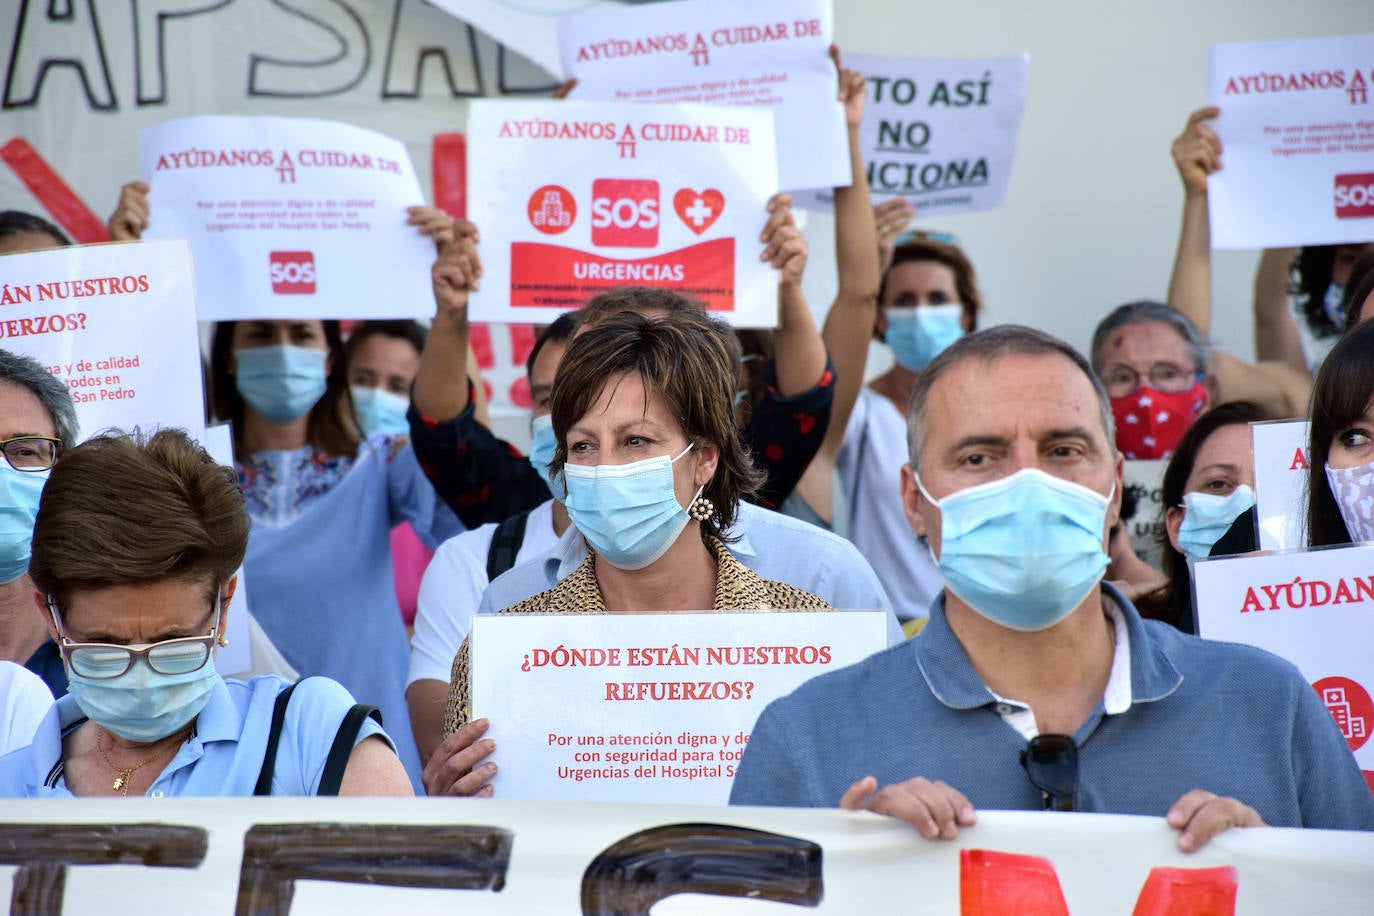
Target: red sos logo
x=1355, y=195
x=293, y=272
x=625, y=212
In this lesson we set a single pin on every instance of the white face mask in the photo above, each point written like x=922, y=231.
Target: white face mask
x=1353, y=489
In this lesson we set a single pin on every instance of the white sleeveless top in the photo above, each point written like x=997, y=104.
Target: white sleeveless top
x=869, y=468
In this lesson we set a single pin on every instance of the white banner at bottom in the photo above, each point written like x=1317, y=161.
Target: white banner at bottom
x=440, y=856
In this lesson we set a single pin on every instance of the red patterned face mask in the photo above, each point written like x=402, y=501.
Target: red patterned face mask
x=1149, y=423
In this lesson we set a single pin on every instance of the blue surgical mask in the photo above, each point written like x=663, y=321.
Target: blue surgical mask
x=281, y=382
x=628, y=513
x=380, y=411
x=141, y=704
x=1206, y=517
x=1332, y=304
x=542, y=446
x=1023, y=551
x=19, y=492
x=919, y=334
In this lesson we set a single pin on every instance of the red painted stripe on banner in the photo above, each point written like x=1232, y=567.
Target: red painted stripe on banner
x=479, y=338
x=449, y=165
x=1189, y=892
x=67, y=209
x=521, y=343
x=1001, y=883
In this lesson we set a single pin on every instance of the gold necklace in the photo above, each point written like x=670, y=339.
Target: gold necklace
x=124, y=775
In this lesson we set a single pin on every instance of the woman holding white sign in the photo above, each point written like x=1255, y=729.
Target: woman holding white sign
x=324, y=499
x=647, y=446
x=1340, y=468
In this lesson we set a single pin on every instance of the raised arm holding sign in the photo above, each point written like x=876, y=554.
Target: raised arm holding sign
x=1297, y=120
x=287, y=218
x=581, y=197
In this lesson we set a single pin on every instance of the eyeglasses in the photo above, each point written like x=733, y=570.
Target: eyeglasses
x=1167, y=377
x=31, y=453
x=1051, y=762
x=102, y=661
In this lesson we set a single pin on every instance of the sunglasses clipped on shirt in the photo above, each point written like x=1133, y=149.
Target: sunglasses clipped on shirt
x=1051, y=762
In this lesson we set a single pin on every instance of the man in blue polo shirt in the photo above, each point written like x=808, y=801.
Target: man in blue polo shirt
x=1035, y=685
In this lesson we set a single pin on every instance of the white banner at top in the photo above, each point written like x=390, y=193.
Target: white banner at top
x=290, y=218
x=769, y=53
x=1297, y=132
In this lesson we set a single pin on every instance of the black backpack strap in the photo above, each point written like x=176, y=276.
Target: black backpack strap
x=269, y=759
x=505, y=544
x=342, y=748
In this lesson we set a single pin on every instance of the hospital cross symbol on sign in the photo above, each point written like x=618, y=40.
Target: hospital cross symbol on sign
x=698, y=210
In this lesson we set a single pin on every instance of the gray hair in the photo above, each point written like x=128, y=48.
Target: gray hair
x=27, y=372
x=1134, y=312
x=987, y=345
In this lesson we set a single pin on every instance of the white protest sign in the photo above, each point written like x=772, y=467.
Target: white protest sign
x=650, y=707
x=1146, y=478
x=289, y=217
x=941, y=133
x=767, y=53
x=1314, y=608
x=422, y=856
x=1297, y=129
x=1281, y=483
x=116, y=324
x=576, y=198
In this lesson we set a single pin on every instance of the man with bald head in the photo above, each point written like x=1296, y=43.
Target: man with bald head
x=1035, y=684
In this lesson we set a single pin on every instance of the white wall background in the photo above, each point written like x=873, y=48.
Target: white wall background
x=1091, y=215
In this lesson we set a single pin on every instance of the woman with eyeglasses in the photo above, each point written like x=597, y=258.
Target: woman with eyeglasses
x=135, y=551
x=323, y=496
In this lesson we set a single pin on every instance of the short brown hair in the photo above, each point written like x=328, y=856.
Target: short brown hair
x=690, y=361
x=951, y=256
x=639, y=299
x=130, y=509
x=988, y=345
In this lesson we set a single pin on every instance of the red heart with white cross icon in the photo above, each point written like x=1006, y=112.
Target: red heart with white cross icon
x=698, y=210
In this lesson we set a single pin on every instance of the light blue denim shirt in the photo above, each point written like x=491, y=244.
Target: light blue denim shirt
x=223, y=756
x=771, y=544
x=1227, y=718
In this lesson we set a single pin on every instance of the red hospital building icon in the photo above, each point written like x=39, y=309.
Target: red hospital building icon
x=552, y=209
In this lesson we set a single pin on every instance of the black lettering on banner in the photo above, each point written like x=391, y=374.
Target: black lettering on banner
x=44, y=851
x=271, y=76
x=150, y=50
x=397, y=855
x=414, y=41
x=515, y=73
x=631, y=875
x=48, y=35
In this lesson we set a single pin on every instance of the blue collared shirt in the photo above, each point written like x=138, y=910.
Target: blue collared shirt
x=771, y=544
x=223, y=755
x=1227, y=718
